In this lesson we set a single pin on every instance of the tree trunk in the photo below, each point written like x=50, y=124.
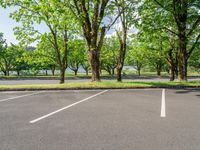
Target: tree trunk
x=158, y=70
x=109, y=70
x=86, y=71
x=122, y=40
x=176, y=65
x=62, y=74
x=95, y=64
x=176, y=71
x=172, y=69
x=181, y=15
x=172, y=72
x=139, y=70
x=75, y=72
x=168, y=70
x=53, y=72
x=119, y=73
x=8, y=73
x=172, y=62
x=46, y=73
x=5, y=73
x=62, y=61
x=138, y=67
x=86, y=68
x=18, y=73
x=113, y=71
x=182, y=63
x=120, y=62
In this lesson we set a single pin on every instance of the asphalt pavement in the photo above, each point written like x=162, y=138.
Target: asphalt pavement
x=100, y=120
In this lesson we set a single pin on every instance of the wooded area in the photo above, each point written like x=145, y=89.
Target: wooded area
x=98, y=35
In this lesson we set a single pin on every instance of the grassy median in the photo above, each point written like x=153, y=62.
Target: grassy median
x=103, y=85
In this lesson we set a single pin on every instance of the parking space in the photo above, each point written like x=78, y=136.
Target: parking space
x=100, y=120
x=10, y=95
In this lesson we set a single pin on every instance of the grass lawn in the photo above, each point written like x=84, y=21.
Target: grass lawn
x=129, y=74
x=103, y=85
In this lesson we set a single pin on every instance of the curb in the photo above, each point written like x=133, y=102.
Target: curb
x=100, y=88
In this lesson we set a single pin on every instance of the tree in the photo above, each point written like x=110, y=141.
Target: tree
x=19, y=63
x=109, y=54
x=76, y=55
x=4, y=59
x=125, y=10
x=90, y=15
x=45, y=56
x=156, y=59
x=182, y=19
x=155, y=46
x=10, y=57
x=85, y=63
x=194, y=62
x=171, y=56
x=55, y=15
x=137, y=56
x=30, y=58
x=187, y=19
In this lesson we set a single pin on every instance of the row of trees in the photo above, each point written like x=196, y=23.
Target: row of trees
x=164, y=28
x=176, y=26
x=31, y=60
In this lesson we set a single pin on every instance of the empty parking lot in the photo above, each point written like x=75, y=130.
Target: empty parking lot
x=100, y=120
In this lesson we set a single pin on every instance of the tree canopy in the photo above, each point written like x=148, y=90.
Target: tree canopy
x=104, y=35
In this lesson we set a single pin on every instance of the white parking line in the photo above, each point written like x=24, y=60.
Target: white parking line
x=8, y=99
x=163, y=106
x=66, y=107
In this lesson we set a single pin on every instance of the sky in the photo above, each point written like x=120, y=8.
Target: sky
x=7, y=24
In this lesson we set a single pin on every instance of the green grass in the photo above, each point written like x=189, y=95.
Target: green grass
x=154, y=74
x=83, y=75
x=95, y=85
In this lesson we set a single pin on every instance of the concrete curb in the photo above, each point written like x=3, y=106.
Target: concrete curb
x=99, y=88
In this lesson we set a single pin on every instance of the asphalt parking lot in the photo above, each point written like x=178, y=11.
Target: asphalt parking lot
x=138, y=119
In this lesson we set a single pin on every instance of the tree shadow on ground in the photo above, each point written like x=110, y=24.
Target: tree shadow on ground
x=186, y=91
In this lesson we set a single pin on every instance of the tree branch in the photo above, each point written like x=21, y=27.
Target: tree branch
x=193, y=46
x=103, y=31
x=161, y=5
x=173, y=32
x=194, y=26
